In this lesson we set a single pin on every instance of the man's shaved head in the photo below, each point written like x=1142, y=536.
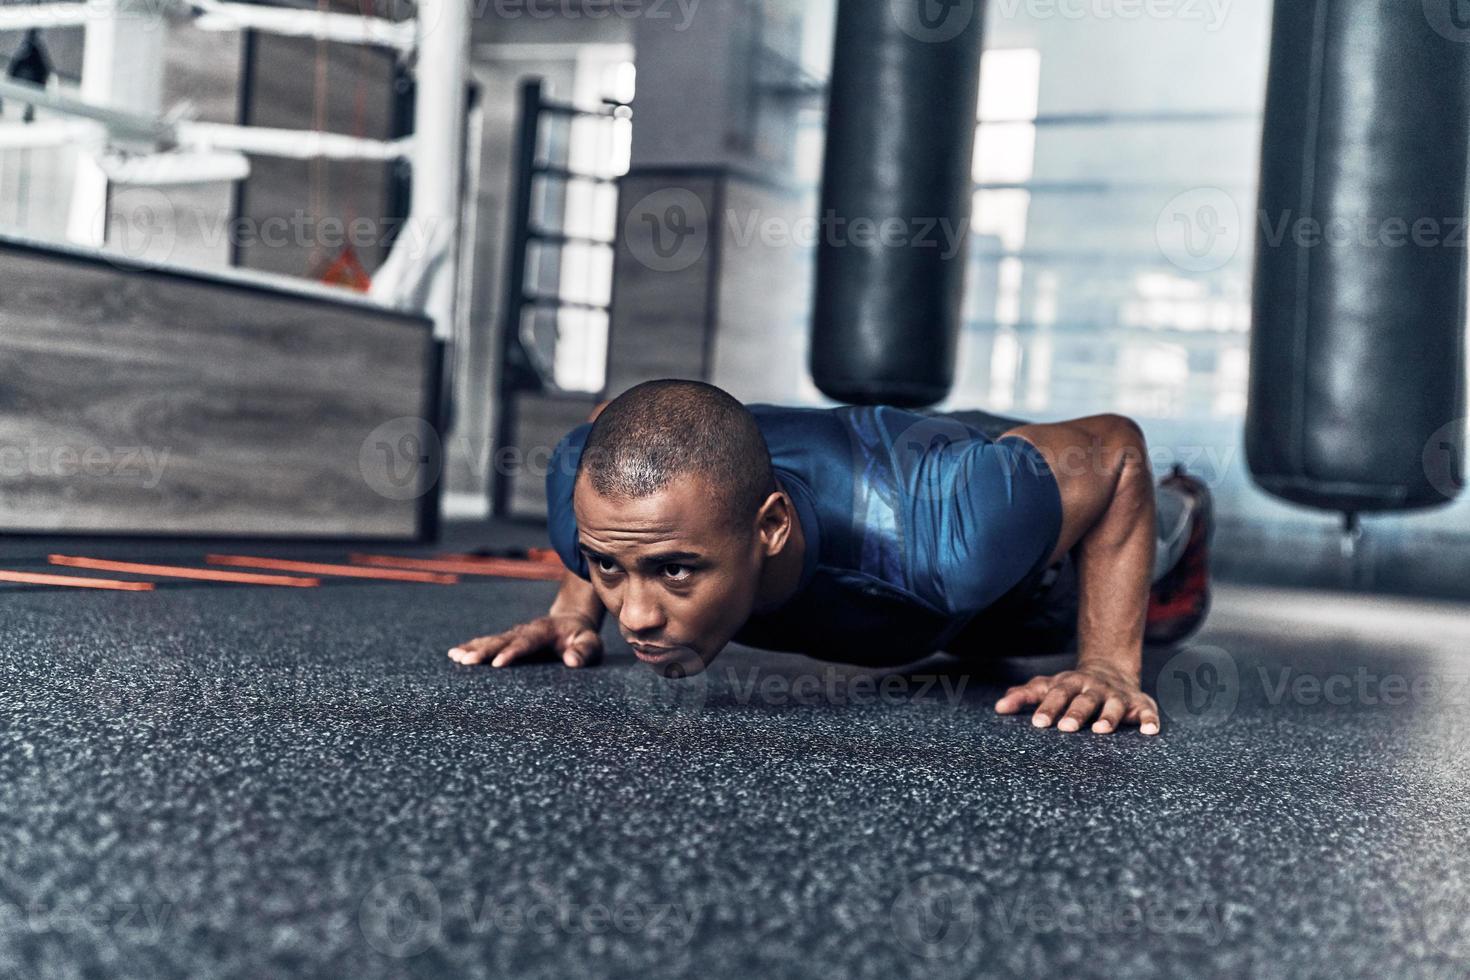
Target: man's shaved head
x=659, y=431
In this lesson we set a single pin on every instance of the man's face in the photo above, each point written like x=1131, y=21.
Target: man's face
x=678, y=578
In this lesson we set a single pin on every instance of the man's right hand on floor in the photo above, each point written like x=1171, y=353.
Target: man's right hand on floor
x=572, y=638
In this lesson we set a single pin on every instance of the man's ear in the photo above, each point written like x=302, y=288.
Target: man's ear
x=773, y=523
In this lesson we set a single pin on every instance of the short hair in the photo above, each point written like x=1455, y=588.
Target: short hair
x=658, y=431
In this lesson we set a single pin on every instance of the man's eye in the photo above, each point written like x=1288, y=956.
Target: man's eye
x=606, y=567
x=677, y=573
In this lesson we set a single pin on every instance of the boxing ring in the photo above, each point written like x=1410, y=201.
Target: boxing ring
x=264, y=449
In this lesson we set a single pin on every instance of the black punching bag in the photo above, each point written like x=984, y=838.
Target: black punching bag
x=896, y=192
x=1357, y=382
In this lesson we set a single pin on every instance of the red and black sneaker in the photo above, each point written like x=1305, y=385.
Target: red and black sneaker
x=1179, y=601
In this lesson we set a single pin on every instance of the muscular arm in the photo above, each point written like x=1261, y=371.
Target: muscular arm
x=1102, y=471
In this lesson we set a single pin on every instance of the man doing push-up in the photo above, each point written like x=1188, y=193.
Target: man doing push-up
x=872, y=536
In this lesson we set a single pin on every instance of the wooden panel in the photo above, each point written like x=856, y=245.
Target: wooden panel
x=144, y=401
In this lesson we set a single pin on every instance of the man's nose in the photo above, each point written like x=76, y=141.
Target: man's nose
x=641, y=613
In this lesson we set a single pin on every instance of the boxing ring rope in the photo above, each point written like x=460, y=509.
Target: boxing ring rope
x=117, y=122
x=45, y=133
x=215, y=15
x=293, y=143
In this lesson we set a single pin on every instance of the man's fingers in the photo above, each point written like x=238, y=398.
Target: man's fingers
x=521, y=646
x=477, y=650
x=1022, y=695
x=1071, y=699
x=1083, y=707
x=1054, y=703
x=582, y=650
x=575, y=647
x=503, y=648
x=1145, y=713
x=481, y=642
x=1112, y=713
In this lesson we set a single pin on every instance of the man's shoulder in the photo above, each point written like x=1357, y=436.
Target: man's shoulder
x=561, y=476
x=806, y=440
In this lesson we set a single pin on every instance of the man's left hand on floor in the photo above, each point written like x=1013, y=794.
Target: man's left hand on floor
x=1074, y=697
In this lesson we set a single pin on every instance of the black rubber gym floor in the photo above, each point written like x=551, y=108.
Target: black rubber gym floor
x=250, y=782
